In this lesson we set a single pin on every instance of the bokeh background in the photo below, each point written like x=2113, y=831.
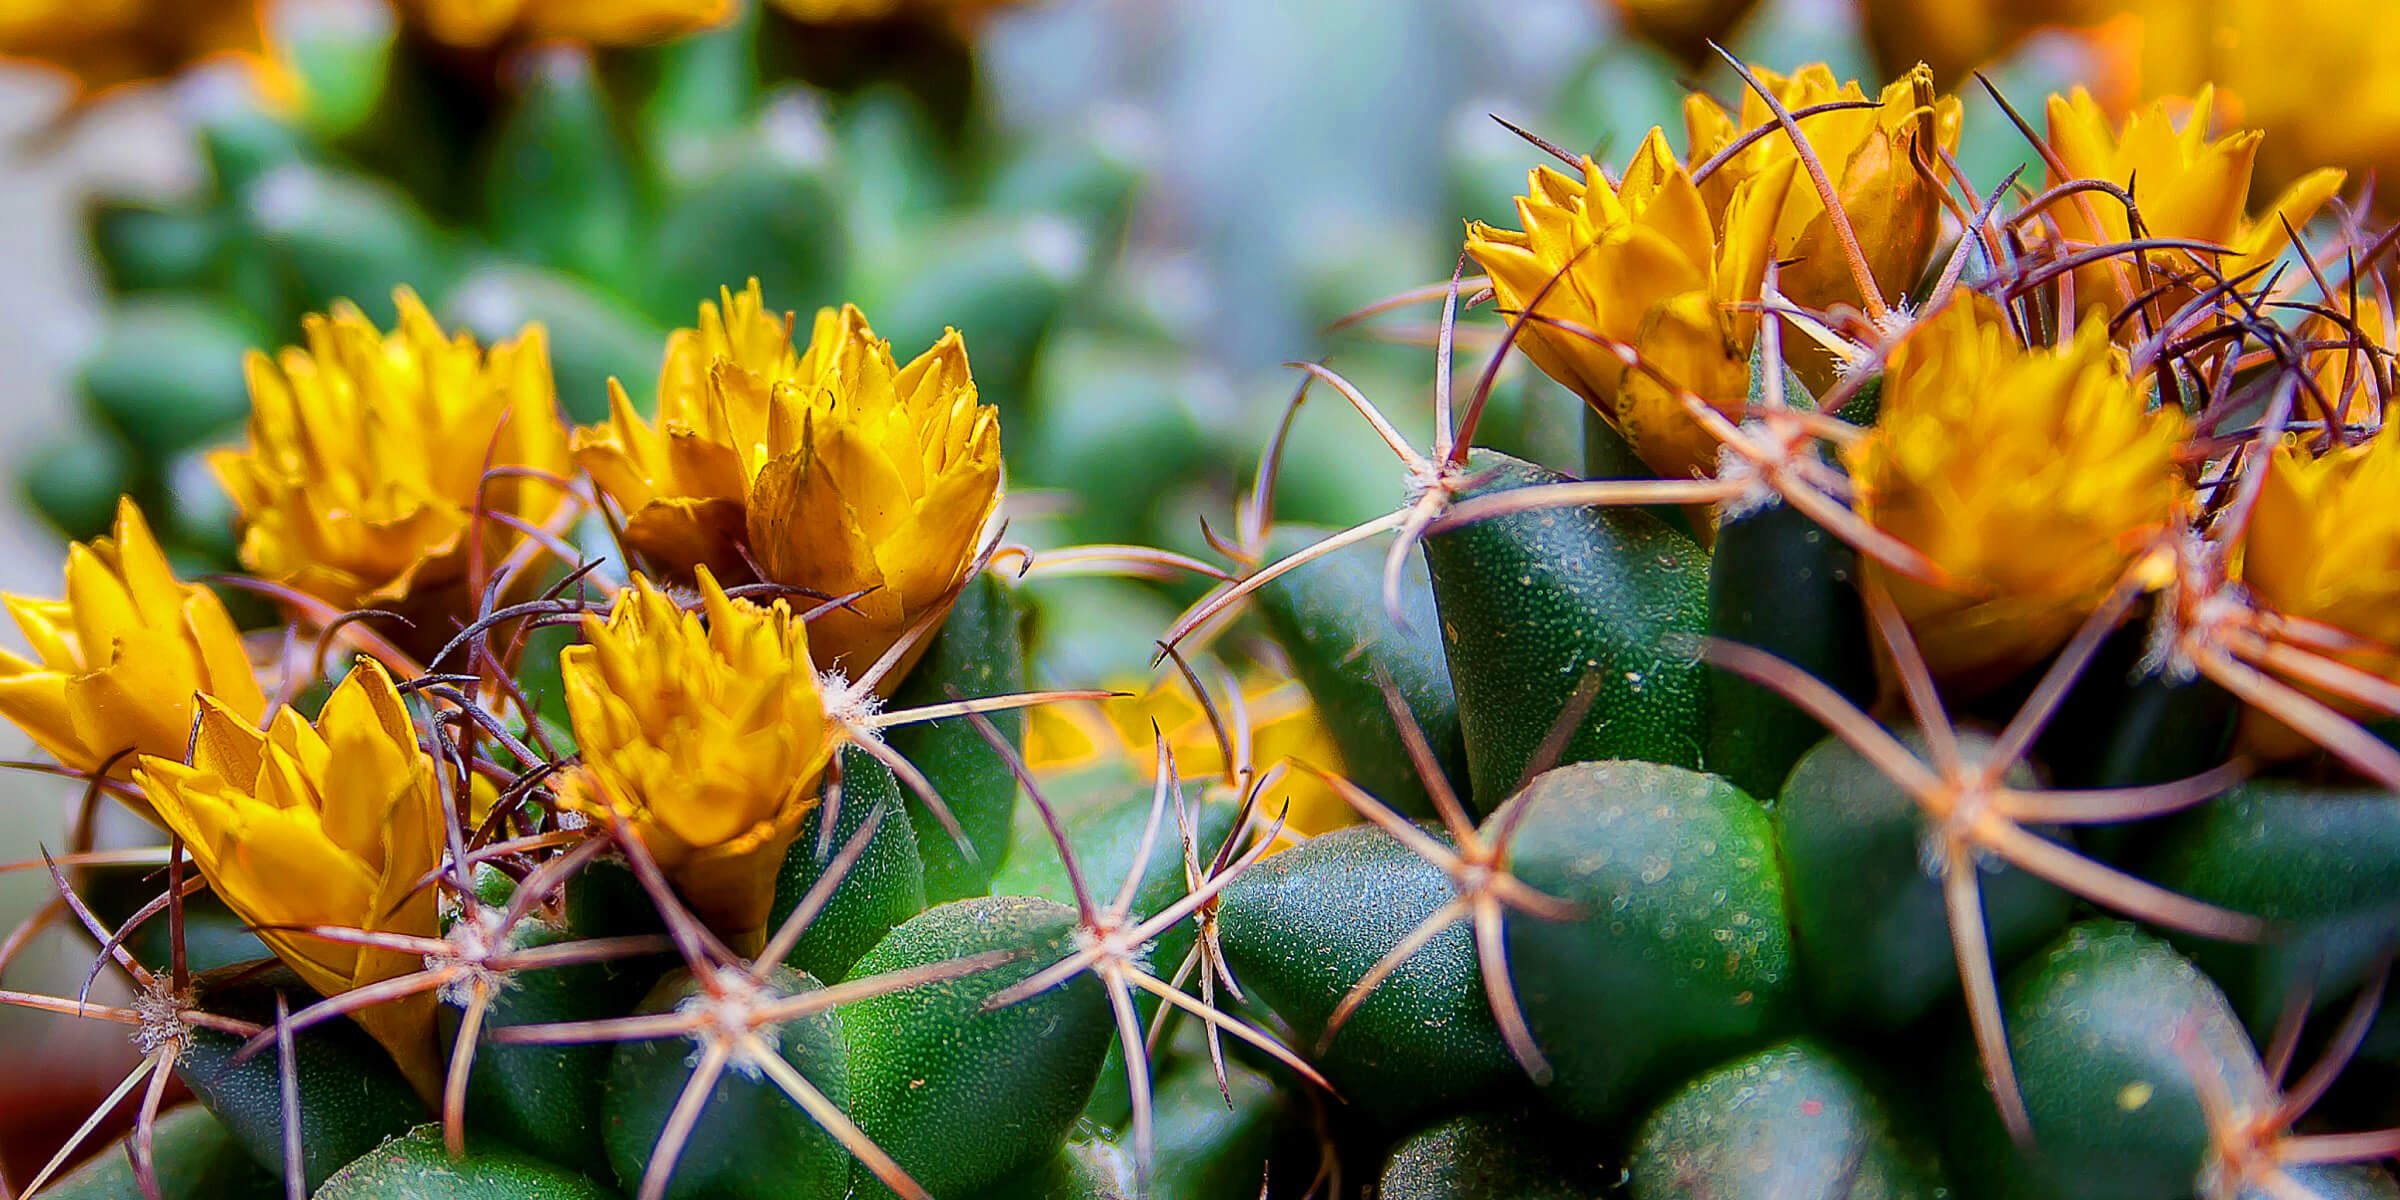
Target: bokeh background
x=1136, y=210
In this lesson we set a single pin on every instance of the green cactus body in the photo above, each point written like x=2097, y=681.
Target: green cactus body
x=1681, y=954
x=1303, y=927
x=884, y=887
x=416, y=1167
x=197, y=1157
x=1330, y=617
x=751, y=1141
x=1779, y=582
x=963, y=1098
x=1481, y=1156
x=979, y=652
x=1791, y=1122
x=1532, y=603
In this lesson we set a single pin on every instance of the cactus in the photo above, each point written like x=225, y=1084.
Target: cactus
x=1949, y=757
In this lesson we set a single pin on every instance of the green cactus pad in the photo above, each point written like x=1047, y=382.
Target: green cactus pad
x=416, y=1167
x=885, y=886
x=197, y=1157
x=1481, y=1156
x=1792, y=1122
x=979, y=652
x=1779, y=582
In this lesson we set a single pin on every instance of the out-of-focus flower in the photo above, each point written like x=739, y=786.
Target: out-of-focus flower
x=118, y=662
x=2033, y=477
x=1956, y=36
x=2315, y=73
x=1870, y=154
x=2188, y=186
x=855, y=12
x=595, y=22
x=836, y=470
x=2323, y=545
x=706, y=733
x=1642, y=262
x=2351, y=362
x=1684, y=28
x=331, y=824
x=105, y=43
x=1282, y=725
x=359, y=481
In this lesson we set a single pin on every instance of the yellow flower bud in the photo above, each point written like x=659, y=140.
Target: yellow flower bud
x=477, y=23
x=117, y=664
x=1870, y=154
x=2033, y=477
x=2323, y=545
x=836, y=470
x=705, y=733
x=366, y=453
x=2187, y=184
x=1645, y=263
x=335, y=823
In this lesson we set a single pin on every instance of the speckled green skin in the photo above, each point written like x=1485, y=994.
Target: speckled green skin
x=1682, y=956
x=960, y=1097
x=1330, y=618
x=351, y=1096
x=979, y=652
x=2106, y=1027
x=1533, y=602
x=1874, y=937
x=751, y=1142
x=541, y=1098
x=1479, y=1156
x=884, y=887
x=1304, y=926
x=1791, y=1122
x=416, y=1167
x=1779, y=582
x=197, y=1160
x=2325, y=862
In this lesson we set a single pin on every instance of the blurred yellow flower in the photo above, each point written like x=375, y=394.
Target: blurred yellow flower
x=1870, y=154
x=1282, y=725
x=706, y=733
x=2188, y=186
x=105, y=43
x=852, y=12
x=478, y=23
x=2323, y=545
x=1957, y=36
x=835, y=470
x=358, y=483
x=2033, y=477
x=335, y=824
x=1644, y=263
x=1684, y=28
x=2315, y=72
x=118, y=663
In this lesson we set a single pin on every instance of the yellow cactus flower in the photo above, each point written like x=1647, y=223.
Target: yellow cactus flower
x=117, y=664
x=366, y=451
x=1283, y=725
x=2323, y=544
x=104, y=45
x=2310, y=70
x=334, y=823
x=2188, y=186
x=1684, y=28
x=2033, y=477
x=1645, y=264
x=1957, y=36
x=1870, y=154
x=478, y=23
x=706, y=736
x=835, y=470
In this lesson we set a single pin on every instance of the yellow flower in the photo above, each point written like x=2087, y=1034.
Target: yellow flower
x=2187, y=185
x=118, y=663
x=1869, y=154
x=358, y=484
x=1283, y=725
x=1957, y=36
x=327, y=824
x=2313, y=71
x=1684, y=28
x=2033, y=477
x=707, y=737
x=105, y=43
x=851, y=12
x=2323, y=545
x=1646, y=265
x=835, y=470
x=478, y=23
